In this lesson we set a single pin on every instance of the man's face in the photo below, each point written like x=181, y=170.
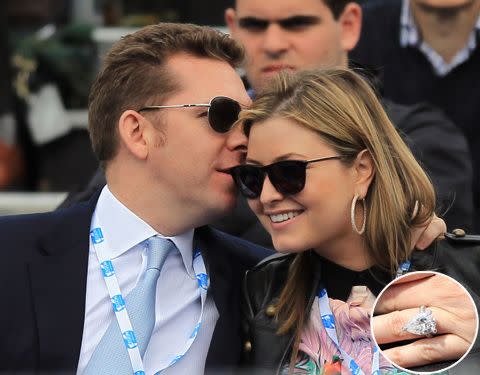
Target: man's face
x=191, y=158
x=291, y=34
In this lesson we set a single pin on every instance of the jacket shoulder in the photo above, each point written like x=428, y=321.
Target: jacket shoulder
x=264, y=282
x=457, y=258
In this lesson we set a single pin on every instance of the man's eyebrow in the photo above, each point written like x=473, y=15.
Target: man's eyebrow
x=297, y=20
x=250, y=21
x=300, y=20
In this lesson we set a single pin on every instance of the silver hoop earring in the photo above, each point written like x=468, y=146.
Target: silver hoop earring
x=415, y=211
x=352, y=215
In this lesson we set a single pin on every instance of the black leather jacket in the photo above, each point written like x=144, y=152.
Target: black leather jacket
x=266, y=352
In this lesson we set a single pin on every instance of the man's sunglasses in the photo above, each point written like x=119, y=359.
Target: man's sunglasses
x=222, y=112
x=286, y=176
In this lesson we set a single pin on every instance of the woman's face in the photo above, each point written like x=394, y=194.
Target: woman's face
x=321, y=211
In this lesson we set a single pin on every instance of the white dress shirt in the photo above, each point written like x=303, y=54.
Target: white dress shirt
x=178, y=303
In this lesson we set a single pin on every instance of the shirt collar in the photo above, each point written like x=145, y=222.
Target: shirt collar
x=129, y=230
x=410, y=37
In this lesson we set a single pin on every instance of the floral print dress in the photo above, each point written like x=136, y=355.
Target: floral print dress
x=318, y=354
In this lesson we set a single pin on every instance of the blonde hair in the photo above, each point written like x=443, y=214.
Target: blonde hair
x=343, y=109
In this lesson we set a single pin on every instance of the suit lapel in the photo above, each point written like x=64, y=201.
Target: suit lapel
x=224, y=351
x=58, y=282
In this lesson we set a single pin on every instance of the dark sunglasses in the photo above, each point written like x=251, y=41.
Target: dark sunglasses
x=286, y=176
x=222, y=112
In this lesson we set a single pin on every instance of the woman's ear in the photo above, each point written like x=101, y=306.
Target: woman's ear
x=133, y=133
x=364, y=168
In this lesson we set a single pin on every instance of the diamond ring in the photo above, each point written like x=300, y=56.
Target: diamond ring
x=422, y=324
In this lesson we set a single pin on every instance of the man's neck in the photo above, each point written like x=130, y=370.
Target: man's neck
x=446, y=31
x=158, y=209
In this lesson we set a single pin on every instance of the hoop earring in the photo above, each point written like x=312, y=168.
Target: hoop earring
x=415, y=211
x=352, y=215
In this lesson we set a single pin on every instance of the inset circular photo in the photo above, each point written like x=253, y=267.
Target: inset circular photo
x=425, y=322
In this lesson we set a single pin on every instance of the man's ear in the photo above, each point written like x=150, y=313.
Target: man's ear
x=351, y=26
x=364, y=172
x=133, y=132
x=230, y=20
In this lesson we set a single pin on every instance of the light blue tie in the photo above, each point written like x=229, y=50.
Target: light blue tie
x=110, y=356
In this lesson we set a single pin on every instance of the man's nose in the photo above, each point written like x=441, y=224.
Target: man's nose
x=275, y=41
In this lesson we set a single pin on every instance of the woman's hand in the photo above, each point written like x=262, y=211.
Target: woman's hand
x=423, y=236
x=452, y=308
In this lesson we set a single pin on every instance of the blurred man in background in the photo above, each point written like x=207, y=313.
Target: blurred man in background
x=429, y=50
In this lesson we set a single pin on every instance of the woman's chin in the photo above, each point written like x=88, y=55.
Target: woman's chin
x=288, y=247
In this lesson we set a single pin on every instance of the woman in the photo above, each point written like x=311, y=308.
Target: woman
x=336, y=187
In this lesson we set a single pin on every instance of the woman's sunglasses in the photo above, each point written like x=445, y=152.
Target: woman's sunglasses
x=286, y=176
x=222, y=112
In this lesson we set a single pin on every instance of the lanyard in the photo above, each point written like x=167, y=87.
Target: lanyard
x=100, y=245
x=328, y=321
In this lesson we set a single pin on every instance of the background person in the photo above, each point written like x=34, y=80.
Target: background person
x=336, y=187
x=429, y=51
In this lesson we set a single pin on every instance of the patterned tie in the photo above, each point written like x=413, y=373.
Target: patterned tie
x=110, y=356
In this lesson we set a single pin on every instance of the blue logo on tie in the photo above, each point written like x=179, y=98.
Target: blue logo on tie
x=202, y=281
x=96, y=235
x=323, y=292
x=195, y=331
x=129, y=339
x=107, y=268
x=354, y=368
x=139, y=373
x=118, y=303
x=328, y=321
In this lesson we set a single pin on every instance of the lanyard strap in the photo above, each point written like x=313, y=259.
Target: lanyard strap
x=328, y=321
x=100, y=246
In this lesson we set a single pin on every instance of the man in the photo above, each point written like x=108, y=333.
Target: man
x=305, y=34
x=429, y=50
x=165, y=144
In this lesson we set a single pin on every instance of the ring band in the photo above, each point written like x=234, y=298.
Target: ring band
x=422, y=324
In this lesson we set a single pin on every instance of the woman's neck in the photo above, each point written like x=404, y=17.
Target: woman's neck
x=350, y=253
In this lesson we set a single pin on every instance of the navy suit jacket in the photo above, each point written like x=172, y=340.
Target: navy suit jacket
x=43, y=286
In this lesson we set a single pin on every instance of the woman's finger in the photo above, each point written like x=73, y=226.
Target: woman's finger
x=429, y=350
x=389, y=327
x=423, y=236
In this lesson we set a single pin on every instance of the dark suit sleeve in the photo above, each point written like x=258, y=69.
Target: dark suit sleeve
x=443, y=152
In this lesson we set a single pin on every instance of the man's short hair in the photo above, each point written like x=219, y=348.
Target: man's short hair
x=134, y=74
x=337, y=6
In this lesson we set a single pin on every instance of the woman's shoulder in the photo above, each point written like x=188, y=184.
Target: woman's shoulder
x=264, y=282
